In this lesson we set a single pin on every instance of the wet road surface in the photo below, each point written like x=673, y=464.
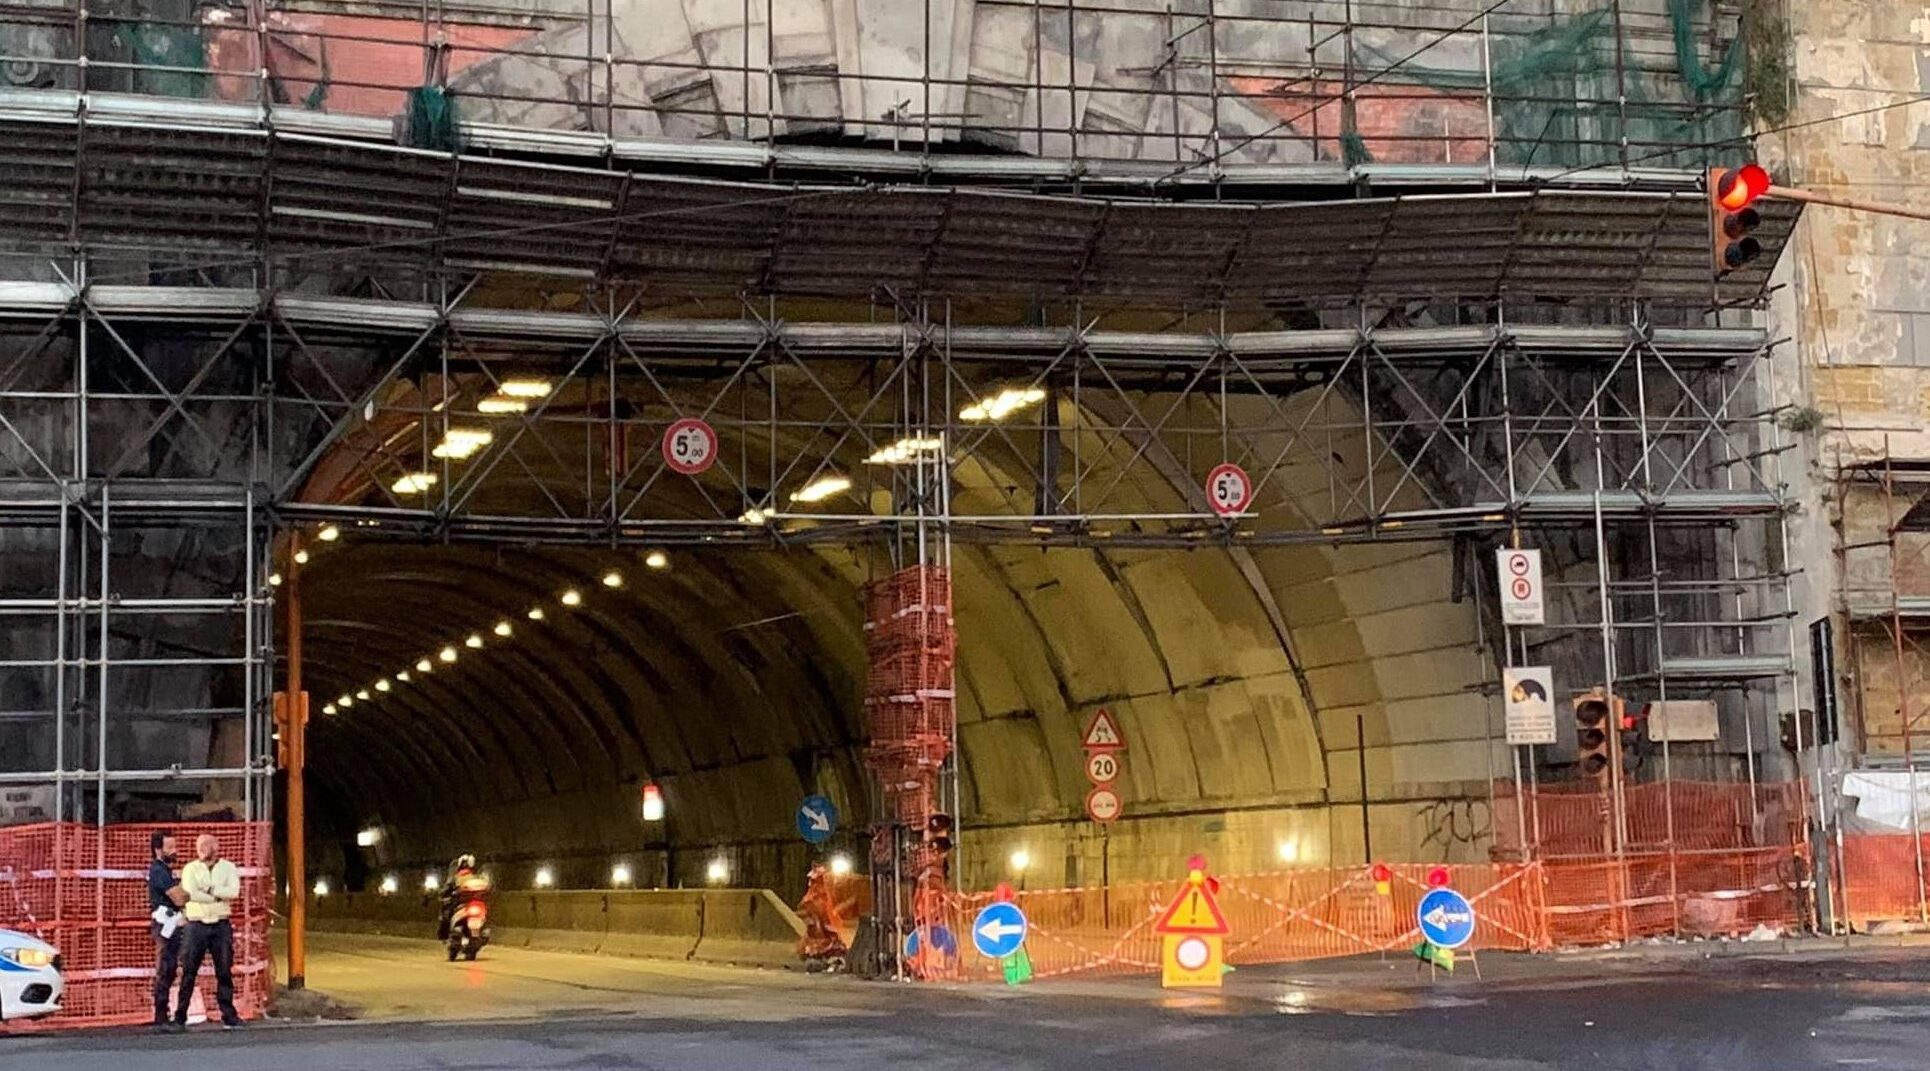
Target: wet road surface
x=519, y=1009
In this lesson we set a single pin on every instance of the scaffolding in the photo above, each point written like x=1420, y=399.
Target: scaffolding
x=293, y=324
x=1883, y=525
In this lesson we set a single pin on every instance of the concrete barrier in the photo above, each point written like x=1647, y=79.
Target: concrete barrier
x=738, y=926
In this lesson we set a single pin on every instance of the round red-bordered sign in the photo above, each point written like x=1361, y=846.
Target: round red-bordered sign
x=1102, y=767
x=689, y=446
x=1229, y=490
x=1192, y=953
x=1102, y=804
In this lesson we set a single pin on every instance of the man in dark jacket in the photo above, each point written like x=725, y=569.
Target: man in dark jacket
x=164, y=899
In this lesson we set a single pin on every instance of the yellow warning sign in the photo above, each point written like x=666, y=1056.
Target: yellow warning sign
x=1194, y=910
x=1190, y=961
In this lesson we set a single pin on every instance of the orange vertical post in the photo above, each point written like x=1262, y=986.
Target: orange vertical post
x=297, y=759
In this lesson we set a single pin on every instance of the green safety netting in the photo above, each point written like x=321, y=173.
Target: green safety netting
x=431, y=119
x=171, y=61
x=1569, y=94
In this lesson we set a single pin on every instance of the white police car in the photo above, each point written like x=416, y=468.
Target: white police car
x=30, y=983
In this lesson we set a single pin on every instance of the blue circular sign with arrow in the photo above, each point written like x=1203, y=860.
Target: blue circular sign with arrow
x=999, y=930
x=817, y=819
x=1447, y=919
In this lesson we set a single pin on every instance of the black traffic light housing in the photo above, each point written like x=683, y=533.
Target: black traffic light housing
x=1598, y=723
x=938, y=841
x=1731, y=191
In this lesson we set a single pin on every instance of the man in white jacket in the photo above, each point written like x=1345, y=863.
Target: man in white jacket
x=212, y=884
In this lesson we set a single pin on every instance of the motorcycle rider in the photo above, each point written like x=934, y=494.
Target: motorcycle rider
x=462, y=866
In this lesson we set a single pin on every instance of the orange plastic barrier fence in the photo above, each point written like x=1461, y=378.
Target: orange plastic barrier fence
x=83, y=889
x=1683, y=816
x=1689, y=894
x=1880, y=880
x=1275, y=918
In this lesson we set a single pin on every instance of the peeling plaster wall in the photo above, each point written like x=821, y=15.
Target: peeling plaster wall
x=1856, y=300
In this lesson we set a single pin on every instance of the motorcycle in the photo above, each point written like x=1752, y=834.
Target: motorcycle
x=469, y=923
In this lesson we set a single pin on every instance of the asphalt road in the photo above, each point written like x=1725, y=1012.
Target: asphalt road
x=539, y=1010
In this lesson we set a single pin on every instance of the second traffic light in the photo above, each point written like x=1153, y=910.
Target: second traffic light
x=1731, y=192
x=1598, y=722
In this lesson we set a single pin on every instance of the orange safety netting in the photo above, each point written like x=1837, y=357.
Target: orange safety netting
x=1880, y=880
x=1275, y=918
x=83, y=889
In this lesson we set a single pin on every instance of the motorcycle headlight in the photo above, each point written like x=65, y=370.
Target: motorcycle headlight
x=29, y=957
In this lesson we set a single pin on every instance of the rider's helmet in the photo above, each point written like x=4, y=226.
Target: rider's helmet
x=465, y=861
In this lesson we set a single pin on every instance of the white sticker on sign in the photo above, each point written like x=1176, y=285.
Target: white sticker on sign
x=1521, y=602
x=1529, y=695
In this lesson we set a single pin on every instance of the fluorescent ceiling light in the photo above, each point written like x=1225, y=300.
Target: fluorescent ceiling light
x=496, y=405
x=822, y=488
x=524, y=387
x=906, y=450
x=414, y=483
x=1002, y=405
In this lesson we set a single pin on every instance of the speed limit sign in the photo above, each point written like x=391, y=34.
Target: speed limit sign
x=1229, y=490
x=689, y=446
x=1102, y=767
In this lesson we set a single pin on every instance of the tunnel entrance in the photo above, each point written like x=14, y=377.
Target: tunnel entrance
x=1037, y=394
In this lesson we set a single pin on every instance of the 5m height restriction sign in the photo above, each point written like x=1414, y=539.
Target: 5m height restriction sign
x=1521, y=594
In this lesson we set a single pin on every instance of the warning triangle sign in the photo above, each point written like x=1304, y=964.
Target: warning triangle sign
x=1194, y=910
x=1102, y=733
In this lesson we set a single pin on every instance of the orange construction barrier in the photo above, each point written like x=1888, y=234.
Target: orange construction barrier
x=83, y=889
x=1880, y=881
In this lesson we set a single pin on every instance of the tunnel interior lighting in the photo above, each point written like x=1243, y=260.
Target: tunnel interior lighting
x=368, y=838
x=502, y=629
x=474, y=641
x=1001, y=405
x=274, y=580
x=657, y=559
x=1021, y=861
x=620, y=874
x=321, y=887
x=403, y=676
x=718, y=872
x=906, y=450
x=754, y=515
x=613, y=579
x=430, y=882
x=329, y=533
x=831, y=483
x=390, y=883
x=447, y=654
x=329, y=709
x=460, y=444
x=840, y=864
x=382, y=685
x=497, y=405
x=345, y=701
x=545, y=877
x=301, y=557
x=536, y=613
x=423, y=665
x=572, y=597
x=524, y=387
x=413, y=483
x=1289, y=851
x=363, y=695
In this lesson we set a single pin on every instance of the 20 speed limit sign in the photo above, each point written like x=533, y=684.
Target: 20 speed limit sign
x=1229, y=490
x=689, y=446
x=1102, y=767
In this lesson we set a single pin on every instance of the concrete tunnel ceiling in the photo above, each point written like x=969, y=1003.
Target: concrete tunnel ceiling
x=734, y=679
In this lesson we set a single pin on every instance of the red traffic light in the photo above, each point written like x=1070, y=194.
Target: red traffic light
x=1739, y=187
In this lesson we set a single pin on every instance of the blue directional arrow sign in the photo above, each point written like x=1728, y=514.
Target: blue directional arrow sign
x=817, y=819
x=999, y=930
x=1447, y=919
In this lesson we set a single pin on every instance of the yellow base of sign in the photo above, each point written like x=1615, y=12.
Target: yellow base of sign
x=1190, y=961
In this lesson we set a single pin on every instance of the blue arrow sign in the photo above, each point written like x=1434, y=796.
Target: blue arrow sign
x=1447, y=919
x=817, y=819
x=999, y=930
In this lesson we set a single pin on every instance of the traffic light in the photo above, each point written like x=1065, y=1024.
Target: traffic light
x=938, y=842
x=1597, y=736
x=1731, y=191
